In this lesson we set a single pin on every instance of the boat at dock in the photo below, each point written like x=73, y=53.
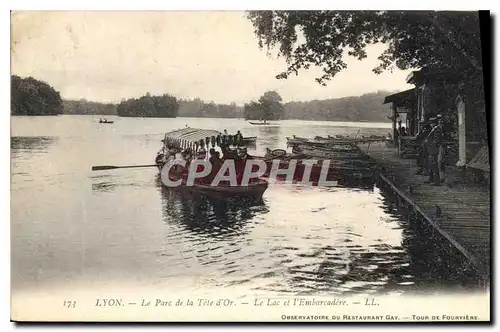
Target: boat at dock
x=249, y=140
x=328, y=152
x=192, y=141
x=338, y=170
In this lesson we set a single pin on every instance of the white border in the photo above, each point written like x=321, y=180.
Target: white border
x=181, y=5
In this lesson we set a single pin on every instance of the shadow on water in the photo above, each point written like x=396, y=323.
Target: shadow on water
x=102, y=184
x=439, y=265
x=208, y=216
x=422, y=262
x=269, y=137
x=36, y=143
x=109, y=182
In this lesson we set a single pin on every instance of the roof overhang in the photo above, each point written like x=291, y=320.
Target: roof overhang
x=407, y=98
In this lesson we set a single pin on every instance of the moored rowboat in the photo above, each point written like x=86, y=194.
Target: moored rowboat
x=255, y=189
x=249, y=140
x=327, y=153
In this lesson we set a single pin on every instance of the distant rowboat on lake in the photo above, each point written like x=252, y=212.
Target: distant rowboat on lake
x=262, y=123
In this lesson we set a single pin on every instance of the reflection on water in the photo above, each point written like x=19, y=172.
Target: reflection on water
x=270, y=137
x=207, y=216
x=33, y=144
x=327, y=255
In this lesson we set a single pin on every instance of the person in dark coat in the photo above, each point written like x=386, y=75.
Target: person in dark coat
x=239, y=138
x=433, y=145
x=422, y=159
x=442, y=147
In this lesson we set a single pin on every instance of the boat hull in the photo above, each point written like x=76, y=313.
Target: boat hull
x=337, y=171
x=259, y=123
x=327, y=153
x=249, y=140
x=253, y=191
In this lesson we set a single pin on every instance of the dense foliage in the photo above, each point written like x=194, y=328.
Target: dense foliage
x=269, y=107
x=164, y=106
x=198, y=108
x=83, y=106
x=415, y=39
x=368, y=107
x=30, y=96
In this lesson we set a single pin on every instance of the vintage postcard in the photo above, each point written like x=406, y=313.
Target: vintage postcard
x=258, y=166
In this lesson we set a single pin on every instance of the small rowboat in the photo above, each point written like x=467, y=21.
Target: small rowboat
x=327, y=153
x=265, y=123
x=108, y=122
x=296, y=140
x=340, y=171
x=250, y=140
x=337, y=139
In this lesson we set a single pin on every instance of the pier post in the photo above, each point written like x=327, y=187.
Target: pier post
x=461, y=132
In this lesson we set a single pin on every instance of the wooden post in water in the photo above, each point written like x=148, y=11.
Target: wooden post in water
x=461, y=132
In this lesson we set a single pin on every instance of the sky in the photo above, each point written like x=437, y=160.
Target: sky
x=110, y=56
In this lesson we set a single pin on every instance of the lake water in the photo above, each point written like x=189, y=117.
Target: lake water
x=71, y=226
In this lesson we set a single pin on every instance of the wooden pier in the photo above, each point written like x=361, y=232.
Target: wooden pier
x=460, y=212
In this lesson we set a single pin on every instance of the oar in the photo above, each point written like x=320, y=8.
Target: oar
x=105, y=167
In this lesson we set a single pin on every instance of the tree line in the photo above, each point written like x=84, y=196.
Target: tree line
x=165, y=106
x=86, y=107
x=367, y=107
x=30, y=96
x=34, y=97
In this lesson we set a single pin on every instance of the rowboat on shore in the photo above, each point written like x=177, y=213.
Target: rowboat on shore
x=353, y=140
x=193, y=141
x=249, y=140
x=328, y=152
x=337, y=139
x=337, y=169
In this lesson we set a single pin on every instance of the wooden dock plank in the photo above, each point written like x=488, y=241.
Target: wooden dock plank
x=465, y=210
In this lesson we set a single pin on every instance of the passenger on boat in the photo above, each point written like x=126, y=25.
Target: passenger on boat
x=242, y=153
x=224, y=135
x=216, y=162
x=230, y=140
x=178, y=168
x=212, y=157
x=202, y=154
x=188, y=156
x=239, y=138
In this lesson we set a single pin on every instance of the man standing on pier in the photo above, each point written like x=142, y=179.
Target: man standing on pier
x=433, y=144
x=422, y=159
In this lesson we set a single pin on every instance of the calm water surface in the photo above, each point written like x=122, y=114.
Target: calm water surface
x=70, y=225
